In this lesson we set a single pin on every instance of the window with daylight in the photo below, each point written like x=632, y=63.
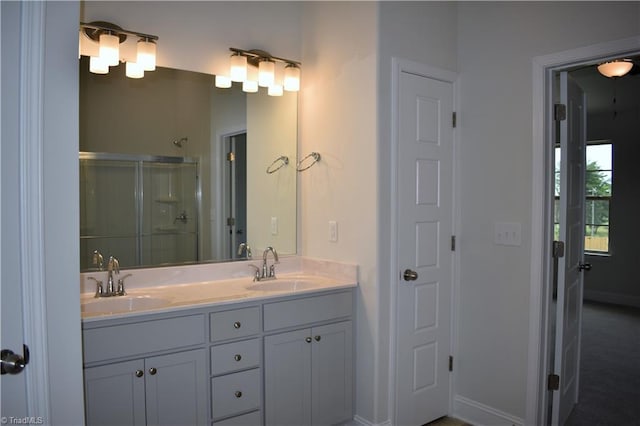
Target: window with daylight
x=598, y=186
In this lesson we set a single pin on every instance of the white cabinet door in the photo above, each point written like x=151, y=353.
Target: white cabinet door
x=308, y=376
x=176, y=388
x=331, y=373
x=114, y=394
x=287, y=359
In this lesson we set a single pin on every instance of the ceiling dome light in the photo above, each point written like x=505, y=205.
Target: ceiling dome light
x=616, y=68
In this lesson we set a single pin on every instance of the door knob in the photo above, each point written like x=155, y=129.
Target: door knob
x=584, y=266
x=11, y=363
x=410, y=275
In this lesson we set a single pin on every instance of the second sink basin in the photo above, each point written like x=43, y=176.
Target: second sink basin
x=109, y=305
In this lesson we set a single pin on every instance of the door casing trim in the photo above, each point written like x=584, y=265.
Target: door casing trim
x=398, y=67
x=542, y=211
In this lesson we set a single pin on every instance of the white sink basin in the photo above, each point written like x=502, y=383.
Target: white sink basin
x=285, y=285
x=109, y=305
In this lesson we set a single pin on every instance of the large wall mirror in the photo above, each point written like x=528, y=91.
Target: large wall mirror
x=175, y=171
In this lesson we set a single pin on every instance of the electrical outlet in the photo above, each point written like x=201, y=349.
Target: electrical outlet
x=333, y=231
x=274, y=226
x=507, y=233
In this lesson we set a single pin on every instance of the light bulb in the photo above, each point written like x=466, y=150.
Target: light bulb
x=292, y=78
x=249, y=86
x=266, y=73
x=223, y=82
x=275, y=90
x=146, y=54
x=110, y=49
x=134, y=70
x=97, y=65
x=238, y=70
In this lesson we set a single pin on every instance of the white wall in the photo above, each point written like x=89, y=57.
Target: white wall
x=424, y=32
x=497, y=42
x=338, y=120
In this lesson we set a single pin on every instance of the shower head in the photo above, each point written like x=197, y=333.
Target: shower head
x=179, y=142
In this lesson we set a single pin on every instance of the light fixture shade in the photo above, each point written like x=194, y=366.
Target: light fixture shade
x=97, y=65
x=275, y=90
x=146, y=54
x=266, y=73
x=110, y=49
x=223, y=82
x=292, y=78
x=134, y=70
x=238, y=70
x=616, y=68
x=249, y=86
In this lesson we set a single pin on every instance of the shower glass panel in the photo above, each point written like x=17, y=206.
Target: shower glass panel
x=141, y=209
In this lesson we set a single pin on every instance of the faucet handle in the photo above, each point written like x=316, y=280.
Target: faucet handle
x=120, y=290
x=256, y=275
x=99, y=291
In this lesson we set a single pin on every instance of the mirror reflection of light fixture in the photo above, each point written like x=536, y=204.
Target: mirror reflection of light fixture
x=245, y=63
x=615, y=68
x=109, y=37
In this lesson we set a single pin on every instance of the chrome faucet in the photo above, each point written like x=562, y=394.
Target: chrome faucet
x=112, y=267
x=98, y=260
x=272, y=269
x=267, y=272
x=244, y=247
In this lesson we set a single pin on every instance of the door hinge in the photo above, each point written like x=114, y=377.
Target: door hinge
x=231, y=156
x=558, y=249
x=559, y=112
x=231, y=221
x=454, y=119
x=453, y=243
x=450, y=362
x=553, y=382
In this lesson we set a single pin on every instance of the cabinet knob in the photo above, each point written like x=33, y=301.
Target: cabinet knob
x=139, y=373
x=237, y=357
x=238, y=394
x=318, y=338
x=237, y=324
x=308, y=340
x=153, y=371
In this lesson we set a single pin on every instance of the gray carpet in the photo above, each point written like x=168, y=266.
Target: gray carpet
x=610, y=367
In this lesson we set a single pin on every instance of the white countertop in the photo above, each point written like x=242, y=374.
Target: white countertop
x=161, y=290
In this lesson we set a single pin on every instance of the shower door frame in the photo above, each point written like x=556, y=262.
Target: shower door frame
x=139, y=160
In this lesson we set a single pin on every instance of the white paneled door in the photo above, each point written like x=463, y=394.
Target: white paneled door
x=424, y=232
x=572, y=197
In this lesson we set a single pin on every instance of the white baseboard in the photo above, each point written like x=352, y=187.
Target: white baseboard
x=615, y=298
x=359, y=421
x=478, y=414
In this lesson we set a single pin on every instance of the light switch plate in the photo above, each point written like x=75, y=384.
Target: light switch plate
x=333, y=231
x=508, y=233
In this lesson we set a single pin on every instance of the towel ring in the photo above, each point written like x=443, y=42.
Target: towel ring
x=314, y=155
x=280, y=162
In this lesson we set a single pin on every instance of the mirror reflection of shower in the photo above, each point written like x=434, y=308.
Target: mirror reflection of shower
x=179, y=142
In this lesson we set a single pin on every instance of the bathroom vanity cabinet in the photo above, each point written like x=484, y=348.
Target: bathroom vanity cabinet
x=281, y=360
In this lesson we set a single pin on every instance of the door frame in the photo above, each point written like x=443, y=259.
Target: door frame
x=399, y=66
x=541, y=279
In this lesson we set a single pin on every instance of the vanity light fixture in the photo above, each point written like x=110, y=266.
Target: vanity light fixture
x=109, y=38
x=615, y=68
x=257, y=68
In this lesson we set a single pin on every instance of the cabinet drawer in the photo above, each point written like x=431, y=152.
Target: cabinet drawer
x=139, y=338
x=305, y=311
x=235, y=393
x=235, y=323
x=250, y=419
x=235, y=356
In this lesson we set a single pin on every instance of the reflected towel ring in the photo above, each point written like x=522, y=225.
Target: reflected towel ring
x=280, y=162
x=314, y=155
